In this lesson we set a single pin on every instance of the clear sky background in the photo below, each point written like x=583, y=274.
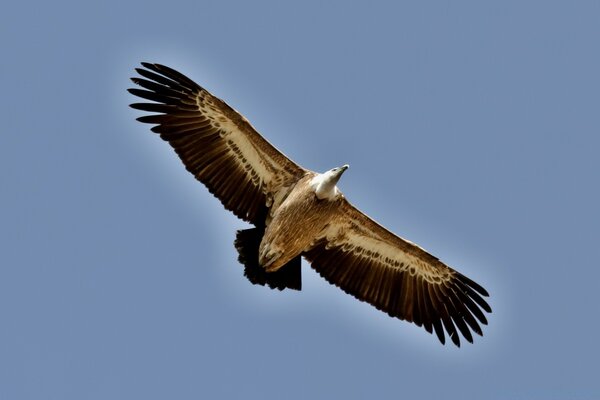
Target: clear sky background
x=472, y=128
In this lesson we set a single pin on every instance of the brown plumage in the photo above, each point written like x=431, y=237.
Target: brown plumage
x=298, y=212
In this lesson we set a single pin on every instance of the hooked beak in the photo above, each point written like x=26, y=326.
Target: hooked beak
x=340, y=170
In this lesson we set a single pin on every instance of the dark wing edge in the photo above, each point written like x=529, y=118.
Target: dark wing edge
x=215, y=143
x=397, y=277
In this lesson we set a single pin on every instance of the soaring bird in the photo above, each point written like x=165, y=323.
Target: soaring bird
x=300, y=213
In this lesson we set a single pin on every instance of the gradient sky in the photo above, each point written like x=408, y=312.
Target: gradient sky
x=472, y=128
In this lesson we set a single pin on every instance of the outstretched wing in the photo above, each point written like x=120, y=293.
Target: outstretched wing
x=396, y=276
x=216, y=144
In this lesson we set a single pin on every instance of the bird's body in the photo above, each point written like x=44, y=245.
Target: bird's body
x=301, y=210
x=300, y=213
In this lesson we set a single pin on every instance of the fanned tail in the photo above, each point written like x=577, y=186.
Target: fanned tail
x=289, y=276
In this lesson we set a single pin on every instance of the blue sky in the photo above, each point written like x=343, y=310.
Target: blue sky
x=472, y=128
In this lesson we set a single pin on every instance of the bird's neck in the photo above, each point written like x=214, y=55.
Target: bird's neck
x=324, y=186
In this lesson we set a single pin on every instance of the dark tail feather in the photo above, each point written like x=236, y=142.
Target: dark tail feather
x=287, y=277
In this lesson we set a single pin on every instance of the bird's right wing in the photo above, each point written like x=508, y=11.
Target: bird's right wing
x=215, y=143
x=396, y=276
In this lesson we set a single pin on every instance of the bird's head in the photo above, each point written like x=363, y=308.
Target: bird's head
x=335, y=174
x=324, y=184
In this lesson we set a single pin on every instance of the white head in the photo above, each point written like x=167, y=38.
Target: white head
x=325, y=183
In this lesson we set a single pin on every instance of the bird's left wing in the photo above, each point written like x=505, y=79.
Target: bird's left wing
x=396, y=276
x=215, y=143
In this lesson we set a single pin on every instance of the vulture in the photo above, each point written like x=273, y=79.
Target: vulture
x=300, y=213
